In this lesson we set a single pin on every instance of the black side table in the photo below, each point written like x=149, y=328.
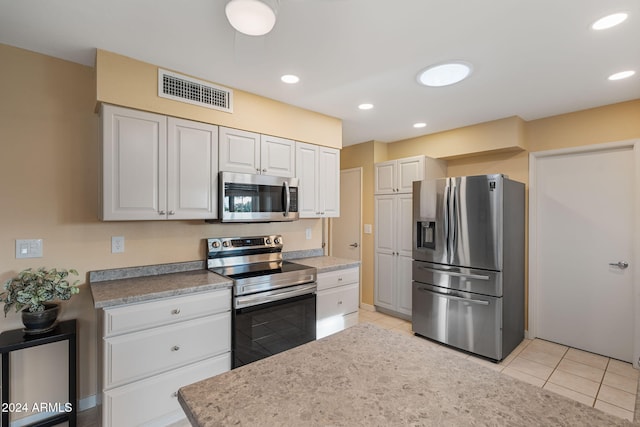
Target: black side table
x=18, y=340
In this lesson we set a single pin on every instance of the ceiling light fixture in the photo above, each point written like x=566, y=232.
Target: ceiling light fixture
x=622, y=75
x=290, y=79
x=250, y=17
x=444, y=74
x=609, y=21
x=419, y=125
x=365, y=106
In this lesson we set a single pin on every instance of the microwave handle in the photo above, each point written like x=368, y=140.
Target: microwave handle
x=287, y=198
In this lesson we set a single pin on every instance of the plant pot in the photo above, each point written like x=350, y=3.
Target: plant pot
x=41, y=321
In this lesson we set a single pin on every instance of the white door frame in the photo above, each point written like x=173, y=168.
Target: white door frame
x=533, y=279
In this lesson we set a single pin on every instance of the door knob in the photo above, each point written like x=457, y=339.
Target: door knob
x=620, y=264
x=354, y=245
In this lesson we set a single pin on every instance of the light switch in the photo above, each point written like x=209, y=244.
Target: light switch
x=367, y=229
x=29, y=248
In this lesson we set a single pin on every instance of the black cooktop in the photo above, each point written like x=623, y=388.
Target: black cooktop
x=259, y=269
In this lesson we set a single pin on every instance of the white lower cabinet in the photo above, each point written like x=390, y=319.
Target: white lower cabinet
x=338, y=298
x=144, y=362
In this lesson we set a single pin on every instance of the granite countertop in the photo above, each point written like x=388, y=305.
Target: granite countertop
x=369, y=376
x=110, y=293
x=324, y=264
x=114, y=287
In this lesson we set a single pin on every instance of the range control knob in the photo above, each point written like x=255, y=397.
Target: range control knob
x=225, y=243
x=215, y=244
x=268, y=241
x=278, y=240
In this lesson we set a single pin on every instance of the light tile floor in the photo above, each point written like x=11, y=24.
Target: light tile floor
x=606, y=384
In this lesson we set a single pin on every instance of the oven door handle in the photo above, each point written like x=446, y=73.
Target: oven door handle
x=265, y=297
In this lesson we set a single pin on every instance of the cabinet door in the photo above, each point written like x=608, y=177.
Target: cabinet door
x=409, y=169
x=385, y=231
x=307, y=173
x=404, y=224
x=385, y=280
x=239, y=151
x=134, y=155
x=192, y=170
x=403, y=284
x=385, y=177
x=277, y=156
x=329, y=182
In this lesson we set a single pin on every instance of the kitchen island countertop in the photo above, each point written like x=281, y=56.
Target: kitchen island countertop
x=368, y=376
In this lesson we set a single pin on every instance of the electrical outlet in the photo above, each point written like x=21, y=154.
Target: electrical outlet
x=117, y=244
x=308, y=233
x=31, y=248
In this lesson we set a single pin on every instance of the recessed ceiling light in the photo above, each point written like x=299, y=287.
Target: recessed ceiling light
x=621, y=75
x=290, y=79
x=419, y=125
x=365, y=106
x=444, y=74
x=609, y=21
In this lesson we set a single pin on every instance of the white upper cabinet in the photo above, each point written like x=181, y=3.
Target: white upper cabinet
x=156, y=167
x=249, y=152
x=397, y=176
x=277, y=156
x=318, y=169
x=239, y=151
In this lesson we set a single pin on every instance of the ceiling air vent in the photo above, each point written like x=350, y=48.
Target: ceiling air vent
x=192, y=91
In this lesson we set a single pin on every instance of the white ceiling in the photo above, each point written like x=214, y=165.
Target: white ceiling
x=533, y=59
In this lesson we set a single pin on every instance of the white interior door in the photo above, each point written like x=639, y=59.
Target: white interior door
x=582, y=218
x=345, y=229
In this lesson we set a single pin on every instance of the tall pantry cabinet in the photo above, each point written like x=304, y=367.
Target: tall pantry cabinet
x=393, y=229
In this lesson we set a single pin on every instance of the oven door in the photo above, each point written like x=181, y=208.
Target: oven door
x=268, y=323
x=257, y=198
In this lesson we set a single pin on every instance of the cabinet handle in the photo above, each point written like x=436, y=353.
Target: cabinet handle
x=175, y=311
x=264, y=170
x=174, y=394
x=175, y=348
x=172, y=212
x=339, y=279
x=161, y=213
x=258, y=170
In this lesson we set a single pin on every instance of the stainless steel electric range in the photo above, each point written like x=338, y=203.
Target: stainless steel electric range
x=274, y=301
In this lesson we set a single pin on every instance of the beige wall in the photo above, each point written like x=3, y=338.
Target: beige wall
x=500, y=146
x=132, y=83
x=49, y=190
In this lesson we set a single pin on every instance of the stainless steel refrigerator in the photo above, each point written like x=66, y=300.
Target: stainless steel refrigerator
x=468, y=263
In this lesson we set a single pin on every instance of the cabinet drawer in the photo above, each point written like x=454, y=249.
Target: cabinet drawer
x=337, y=301
x=140, y=354
x=154, y=401
x=135, y=317
x=335, y=278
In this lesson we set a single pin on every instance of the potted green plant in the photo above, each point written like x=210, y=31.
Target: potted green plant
x=33, y=291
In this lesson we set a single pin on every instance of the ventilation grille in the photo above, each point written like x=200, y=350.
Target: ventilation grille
x=192, y=91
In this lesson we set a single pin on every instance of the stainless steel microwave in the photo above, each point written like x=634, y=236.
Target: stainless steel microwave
x=257, y=198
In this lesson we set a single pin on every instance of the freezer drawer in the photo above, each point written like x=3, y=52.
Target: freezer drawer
x=458, y=278
x=467, y=321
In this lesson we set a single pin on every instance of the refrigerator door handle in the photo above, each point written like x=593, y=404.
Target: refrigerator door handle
x=456, y=274
x=456, y=298
x=447, y=191
x=454, y=218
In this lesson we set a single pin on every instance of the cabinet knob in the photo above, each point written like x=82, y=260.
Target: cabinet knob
x=258, y=170
x=339, y=279
x=161, y=213
x=175, y=311
x=175, y=348
x=174, y=394
x=172, y=212
x=339, y=302
x=264, y=170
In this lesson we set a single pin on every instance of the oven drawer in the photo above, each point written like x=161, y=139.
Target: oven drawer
x=335, y=278
x=137, y=355
x=153, y=401
x=338, y=301
x=135, y=317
